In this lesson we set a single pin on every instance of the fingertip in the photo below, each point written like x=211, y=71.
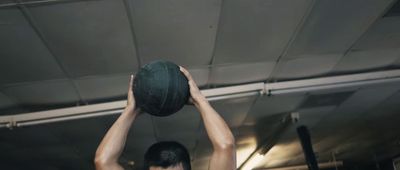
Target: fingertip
x=181, y=69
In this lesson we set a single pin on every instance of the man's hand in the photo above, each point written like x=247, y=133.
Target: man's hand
x=131, y=103
x=195, y=94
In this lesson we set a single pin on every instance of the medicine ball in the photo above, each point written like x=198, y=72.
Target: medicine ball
x=160, y=88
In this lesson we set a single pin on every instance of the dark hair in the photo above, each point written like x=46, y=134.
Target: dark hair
x=167, y=154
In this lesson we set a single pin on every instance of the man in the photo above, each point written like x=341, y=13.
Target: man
x=169, y=155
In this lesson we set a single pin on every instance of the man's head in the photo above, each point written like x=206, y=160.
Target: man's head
x=169, y=154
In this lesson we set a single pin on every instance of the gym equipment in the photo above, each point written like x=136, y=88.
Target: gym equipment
x=306, y=144
x=160, y=88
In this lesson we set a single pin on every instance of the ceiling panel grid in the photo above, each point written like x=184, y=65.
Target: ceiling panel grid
x=326, y=35
x=88, y=38
x=379, y=47
x=43, y=93
x=24, y=57
x=249, y=42
x=176, y=30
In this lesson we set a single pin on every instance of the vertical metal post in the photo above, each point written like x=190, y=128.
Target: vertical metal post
x=305, y=140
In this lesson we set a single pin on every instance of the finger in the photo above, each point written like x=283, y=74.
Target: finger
x=131, y=83
x=192, y=84
x=185, y=72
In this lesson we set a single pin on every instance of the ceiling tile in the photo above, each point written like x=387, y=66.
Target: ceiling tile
x=383, y=34
x=23, y=55
x=241, y=73
x=378, y=47
x=10, y=105
x=101, y=88
x=307, y=66
x=112, y=87
x=259, y=32
x=200, y=75
x=326, y=35
x=6, y=101
x=329, y=31
x=89, y=38
x=43, y=93
x=7, y=2
x=368, y=59
x=179, y=31
x=397, y=63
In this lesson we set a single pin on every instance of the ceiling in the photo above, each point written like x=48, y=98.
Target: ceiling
x=65, y=53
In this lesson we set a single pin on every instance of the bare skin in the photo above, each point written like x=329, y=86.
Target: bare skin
x=223, y=142
x=177, y=167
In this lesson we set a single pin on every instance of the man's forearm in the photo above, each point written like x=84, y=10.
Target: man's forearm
x=218, y=131
x=224, y=155
x=113, y=143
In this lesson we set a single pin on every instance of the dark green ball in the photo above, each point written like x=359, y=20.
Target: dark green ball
x=160, y=88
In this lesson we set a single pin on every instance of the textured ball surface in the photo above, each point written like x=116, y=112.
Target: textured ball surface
x=160, y=88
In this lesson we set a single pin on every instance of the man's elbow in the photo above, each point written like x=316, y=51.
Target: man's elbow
x=226, y=145
x=101, y=160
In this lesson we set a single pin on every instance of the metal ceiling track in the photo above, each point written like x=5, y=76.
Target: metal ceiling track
x=223, y=93
x=37, y=2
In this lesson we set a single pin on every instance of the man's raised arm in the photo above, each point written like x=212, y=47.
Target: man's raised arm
x=224, y=154
x=113, y=143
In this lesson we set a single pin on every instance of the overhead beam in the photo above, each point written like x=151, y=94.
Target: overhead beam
x=38, y=2
x=352, y=80
x=252, y=89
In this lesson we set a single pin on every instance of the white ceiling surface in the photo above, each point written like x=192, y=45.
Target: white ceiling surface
x=327, y=34
x=94, y=42
x=23, y=57
x=253, y=38
x=181, y=31
x=85, y=51
x=49, y=92
x=89, y=38
x=381, y=40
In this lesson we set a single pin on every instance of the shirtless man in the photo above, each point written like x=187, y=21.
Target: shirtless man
x=169, y=155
